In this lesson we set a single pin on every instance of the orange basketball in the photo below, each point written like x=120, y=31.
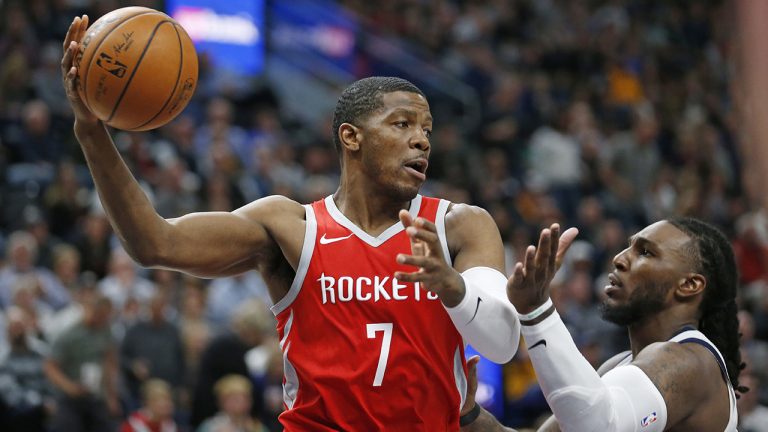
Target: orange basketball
x=137, y=68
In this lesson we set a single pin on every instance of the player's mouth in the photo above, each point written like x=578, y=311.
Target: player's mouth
x=417, y=168
x=614, y=284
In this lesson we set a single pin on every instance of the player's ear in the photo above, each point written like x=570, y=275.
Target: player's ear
x=691, y=285
x=350, y=136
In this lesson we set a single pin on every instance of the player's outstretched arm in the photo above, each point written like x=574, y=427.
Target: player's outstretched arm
x=205, y=244
x=473, y=290
x=659, y=389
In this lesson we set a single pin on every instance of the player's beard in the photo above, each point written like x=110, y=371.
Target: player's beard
x=646, y=300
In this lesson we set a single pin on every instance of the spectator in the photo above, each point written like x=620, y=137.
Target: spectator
x=123, y=282
x=233, y=393
x=250, y=326
x=226, y=294
x=156, y=415
x=83, y=369
x=152, y=349
x=22, y=254
x=753, y=416
x=25, y=393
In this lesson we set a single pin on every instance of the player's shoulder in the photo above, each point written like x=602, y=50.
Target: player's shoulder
x=676, y=362
x=459, y=213
x=273, y=206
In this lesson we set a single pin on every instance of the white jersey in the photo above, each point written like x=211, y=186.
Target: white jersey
x=691, y=335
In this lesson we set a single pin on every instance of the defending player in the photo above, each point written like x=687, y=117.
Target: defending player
x=369, y=343
x=674, y=288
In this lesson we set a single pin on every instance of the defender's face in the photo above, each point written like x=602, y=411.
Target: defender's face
x=395, y=147
x=646, y=273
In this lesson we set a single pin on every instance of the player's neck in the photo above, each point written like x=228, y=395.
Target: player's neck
x=657, y=328
x=373, y=213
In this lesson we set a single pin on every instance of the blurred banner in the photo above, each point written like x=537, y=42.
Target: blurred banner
x=317, y=32
x=230, y=32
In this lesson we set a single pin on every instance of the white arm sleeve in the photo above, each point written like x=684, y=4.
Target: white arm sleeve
x=623, y=400
x=485, y=317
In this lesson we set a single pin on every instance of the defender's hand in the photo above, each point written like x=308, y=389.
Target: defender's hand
x=434, y=273
x=528, y=287
x=72, y=41
x=469, y=402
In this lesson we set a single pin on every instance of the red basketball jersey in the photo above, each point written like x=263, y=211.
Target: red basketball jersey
x=363, y=351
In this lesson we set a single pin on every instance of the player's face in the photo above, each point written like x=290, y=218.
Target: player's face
x=646, y=273
x=395, y=148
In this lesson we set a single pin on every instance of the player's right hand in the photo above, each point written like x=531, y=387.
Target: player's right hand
x=75, y=34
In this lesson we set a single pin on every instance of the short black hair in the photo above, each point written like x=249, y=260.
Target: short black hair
x=713, y=257
x=362, y=98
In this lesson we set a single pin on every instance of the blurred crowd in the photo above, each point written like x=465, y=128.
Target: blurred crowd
x=605, y=115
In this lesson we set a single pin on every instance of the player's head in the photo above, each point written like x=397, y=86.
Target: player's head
x=646, y=273
x=673, y=263
x=382, y=125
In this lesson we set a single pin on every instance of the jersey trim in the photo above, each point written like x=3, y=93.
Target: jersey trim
x=442, y=209
x=390, y=232
x=459, y=376
x=306, y=256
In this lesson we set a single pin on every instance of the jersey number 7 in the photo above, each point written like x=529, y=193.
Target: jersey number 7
x=386, y=328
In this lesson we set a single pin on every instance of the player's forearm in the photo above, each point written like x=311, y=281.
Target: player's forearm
x=582, y=400
x=130, y=212
x=485, y=318
x=486, y=422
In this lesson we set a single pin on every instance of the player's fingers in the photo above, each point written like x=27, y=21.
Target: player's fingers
x=542, y=250
x=420, y=234
x=82, y=29
x=424, y=262
x=70, y=32
x=530, y=254
x=516, y=280
x=426, y=224
x=419, y=276
x=564, y=243
x=472, y=375
x=66, y=59
x=405, y=218
x=554, y=238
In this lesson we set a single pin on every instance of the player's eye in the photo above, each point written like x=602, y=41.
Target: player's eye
x=428, y=133
x=644, y=251
x=402, y=124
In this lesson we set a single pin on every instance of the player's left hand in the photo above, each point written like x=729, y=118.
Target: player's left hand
x=434, y=273
x=528, y=287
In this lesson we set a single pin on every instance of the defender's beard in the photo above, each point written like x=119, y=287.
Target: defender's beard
x=645, y=301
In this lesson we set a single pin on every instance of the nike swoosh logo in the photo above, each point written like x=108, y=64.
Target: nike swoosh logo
x=477, y=307
x=541, y=342
x=325, y=241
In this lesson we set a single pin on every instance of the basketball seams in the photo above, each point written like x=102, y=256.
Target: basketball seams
x=175, y=85
x=96, y=49
x=136, y=67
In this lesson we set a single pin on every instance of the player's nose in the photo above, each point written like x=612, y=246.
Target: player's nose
x=420, y=141
x=620, y=261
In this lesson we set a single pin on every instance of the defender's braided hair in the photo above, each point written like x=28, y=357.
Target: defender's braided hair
x=714, y=259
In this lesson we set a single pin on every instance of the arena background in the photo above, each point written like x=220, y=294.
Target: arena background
x=604, y=115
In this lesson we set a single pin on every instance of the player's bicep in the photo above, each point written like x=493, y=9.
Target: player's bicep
x=214, y=244
x=676, y=373
x=473, y=238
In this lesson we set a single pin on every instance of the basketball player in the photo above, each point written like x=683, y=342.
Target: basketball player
x=674, y=287
x=376, y=288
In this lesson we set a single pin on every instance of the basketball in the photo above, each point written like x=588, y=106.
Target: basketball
x=136, y=68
